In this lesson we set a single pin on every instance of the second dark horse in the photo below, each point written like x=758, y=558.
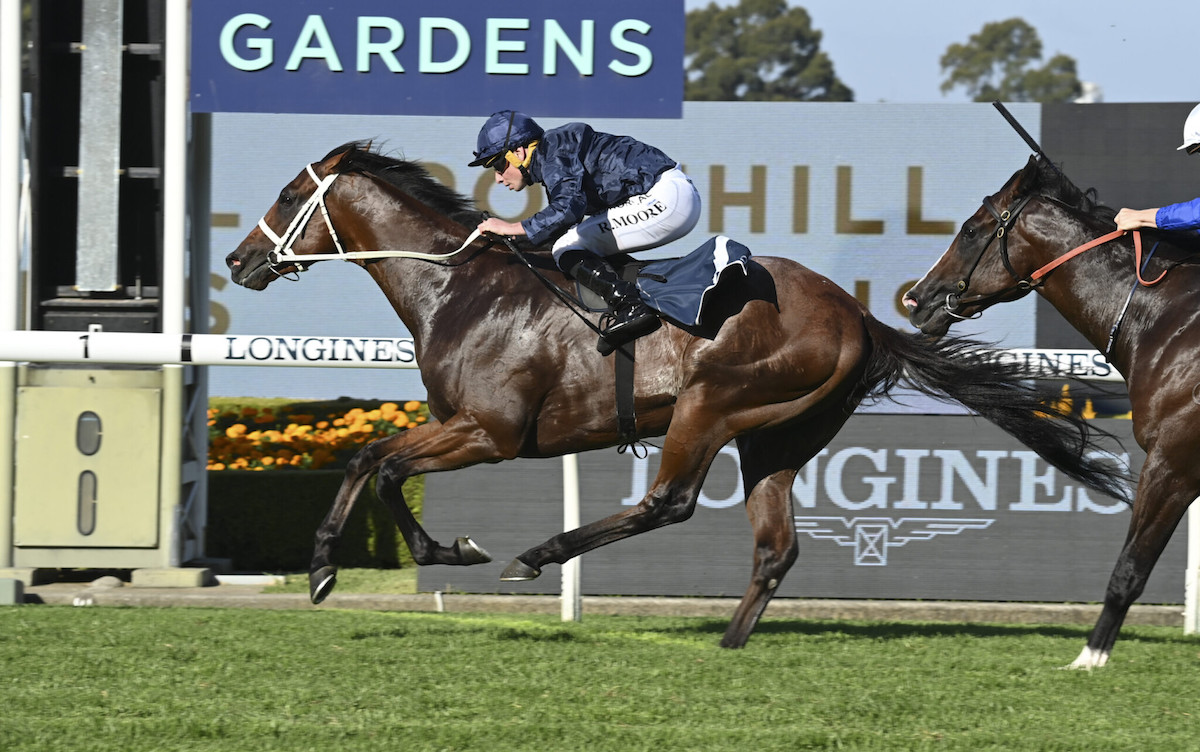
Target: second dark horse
x=1013, y=245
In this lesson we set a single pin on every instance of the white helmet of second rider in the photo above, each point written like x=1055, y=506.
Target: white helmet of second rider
x=1191, y=131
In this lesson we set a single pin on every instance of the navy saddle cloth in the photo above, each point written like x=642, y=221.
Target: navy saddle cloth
x=678, y=288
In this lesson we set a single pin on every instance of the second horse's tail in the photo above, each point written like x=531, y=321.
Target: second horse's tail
x=970, y=373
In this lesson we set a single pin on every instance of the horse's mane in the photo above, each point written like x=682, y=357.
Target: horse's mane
x=1054, y=184
x=410, y=177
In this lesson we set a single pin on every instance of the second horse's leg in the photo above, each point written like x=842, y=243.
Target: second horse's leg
x=1163, y=495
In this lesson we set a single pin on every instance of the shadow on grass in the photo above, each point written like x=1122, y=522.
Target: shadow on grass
x=909, y=630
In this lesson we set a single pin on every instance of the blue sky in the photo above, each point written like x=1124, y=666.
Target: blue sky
x=889, y=51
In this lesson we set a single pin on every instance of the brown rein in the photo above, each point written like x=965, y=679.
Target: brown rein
x=1137, y=246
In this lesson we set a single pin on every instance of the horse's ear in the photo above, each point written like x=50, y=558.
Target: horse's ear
x=334, y=162
x=1030, y=175
x=338, y=155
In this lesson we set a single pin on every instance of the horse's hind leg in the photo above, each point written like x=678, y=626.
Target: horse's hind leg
x=770, y=460
x=1163, y=495
x=770, y=508
x=687, y=452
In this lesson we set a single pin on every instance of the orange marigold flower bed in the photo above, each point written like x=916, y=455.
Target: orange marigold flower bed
x=249, y=438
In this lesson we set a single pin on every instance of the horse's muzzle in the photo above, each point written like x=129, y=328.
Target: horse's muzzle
x=928, y=318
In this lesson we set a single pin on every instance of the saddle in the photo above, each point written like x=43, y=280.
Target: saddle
x=676, y=288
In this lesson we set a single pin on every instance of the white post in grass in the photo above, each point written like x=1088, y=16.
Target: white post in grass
x=1191, y=580
x=572, y=599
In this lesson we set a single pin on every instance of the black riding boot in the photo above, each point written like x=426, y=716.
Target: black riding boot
x=630, y=318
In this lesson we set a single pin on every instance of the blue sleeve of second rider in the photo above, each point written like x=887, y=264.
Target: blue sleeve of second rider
x=1185, y=216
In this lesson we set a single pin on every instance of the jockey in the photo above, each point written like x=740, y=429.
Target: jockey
x=1184, y=216
x=605, y=195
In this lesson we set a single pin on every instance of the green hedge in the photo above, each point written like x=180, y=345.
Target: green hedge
x=266, y=521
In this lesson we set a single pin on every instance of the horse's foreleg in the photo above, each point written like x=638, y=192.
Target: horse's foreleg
x=1161, y=501
x=428, y=448
x=322, y=576
x=389, y=486
x=672, y=498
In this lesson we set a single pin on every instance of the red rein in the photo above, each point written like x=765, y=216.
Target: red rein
x=1137, y=246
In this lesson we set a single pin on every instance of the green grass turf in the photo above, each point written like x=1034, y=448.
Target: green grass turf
x=388, y=581
x=228, y=680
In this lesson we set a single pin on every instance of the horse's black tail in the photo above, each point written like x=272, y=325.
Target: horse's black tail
x=970, y=373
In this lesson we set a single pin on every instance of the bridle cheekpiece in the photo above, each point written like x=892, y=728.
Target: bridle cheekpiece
x=1004, y=224
x=282, y=254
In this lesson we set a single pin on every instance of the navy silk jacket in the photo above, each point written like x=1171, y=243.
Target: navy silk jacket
x=585, y=172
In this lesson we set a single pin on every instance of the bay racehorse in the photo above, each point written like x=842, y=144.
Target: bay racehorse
x=778, y=365
x=1034, y=234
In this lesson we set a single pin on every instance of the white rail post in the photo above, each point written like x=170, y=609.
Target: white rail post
x=173, y=299
x=10, y=252
x=572, y=600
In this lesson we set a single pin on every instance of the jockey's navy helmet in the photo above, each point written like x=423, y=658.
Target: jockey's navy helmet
x=504, y=131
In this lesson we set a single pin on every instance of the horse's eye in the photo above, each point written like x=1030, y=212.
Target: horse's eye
x=286, y=198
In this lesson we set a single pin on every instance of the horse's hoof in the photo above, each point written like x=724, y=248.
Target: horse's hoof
x=1088, y=660
x=519, y=571
x=469, y=552
x=320, y=583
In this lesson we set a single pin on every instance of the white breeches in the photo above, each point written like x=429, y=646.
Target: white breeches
x=667, y=212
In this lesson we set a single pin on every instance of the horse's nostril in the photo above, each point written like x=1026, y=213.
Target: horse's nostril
x=910, y=303
x=232, y=261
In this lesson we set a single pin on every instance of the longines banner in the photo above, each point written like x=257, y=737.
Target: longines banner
x=895, y=507
x=618, y=59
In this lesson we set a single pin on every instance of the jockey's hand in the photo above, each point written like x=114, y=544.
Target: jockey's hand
x=1136, y=219
x=497, y=226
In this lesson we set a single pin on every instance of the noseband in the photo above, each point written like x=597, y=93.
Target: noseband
x=283, y=255
x=1004, y=223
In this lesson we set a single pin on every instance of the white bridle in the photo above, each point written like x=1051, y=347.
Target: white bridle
x=283, y=255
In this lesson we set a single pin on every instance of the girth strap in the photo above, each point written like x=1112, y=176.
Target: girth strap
x=626, y=417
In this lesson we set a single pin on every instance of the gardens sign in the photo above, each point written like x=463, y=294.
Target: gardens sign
x=614, y=59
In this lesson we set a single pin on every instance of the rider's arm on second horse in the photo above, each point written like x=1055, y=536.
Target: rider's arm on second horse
x=1184, y=216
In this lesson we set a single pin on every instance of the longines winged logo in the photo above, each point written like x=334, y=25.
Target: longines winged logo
x=871, y=537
